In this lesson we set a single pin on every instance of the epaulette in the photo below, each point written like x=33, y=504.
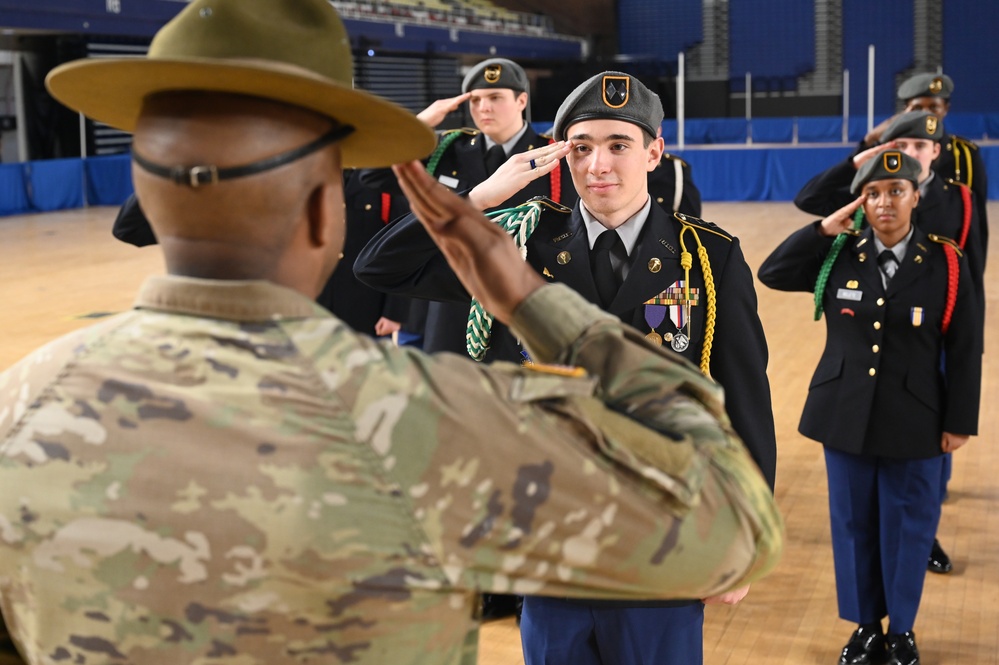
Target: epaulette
x=701, y=224
x=547, y=203
x=666, y=155
x=943, y=240
x=463, y=130
x=968, y=142
x=557, y=370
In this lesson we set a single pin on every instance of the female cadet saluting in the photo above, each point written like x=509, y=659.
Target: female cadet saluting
x=897, y=302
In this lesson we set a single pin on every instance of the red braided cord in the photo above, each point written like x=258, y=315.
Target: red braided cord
x=386, y=207
x=952, y=277
x=966, y=223
x=556, y=180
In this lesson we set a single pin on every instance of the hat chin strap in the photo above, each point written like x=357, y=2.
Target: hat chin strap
x=209, y=174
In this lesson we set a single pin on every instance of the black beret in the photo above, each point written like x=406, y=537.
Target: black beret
x=891, y=164
x=610, y=96
x=914, y=125
x=926, y=85
x=496, y=73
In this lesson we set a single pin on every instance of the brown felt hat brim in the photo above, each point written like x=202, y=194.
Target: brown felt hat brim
x=112, y=91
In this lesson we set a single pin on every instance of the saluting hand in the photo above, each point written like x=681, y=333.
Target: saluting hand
x=842, y=219
x=951, y=442
x=482, y=255
x=516, y=173
x=434, y=114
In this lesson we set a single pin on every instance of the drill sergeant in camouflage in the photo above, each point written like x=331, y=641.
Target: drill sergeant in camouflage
x=229, y=472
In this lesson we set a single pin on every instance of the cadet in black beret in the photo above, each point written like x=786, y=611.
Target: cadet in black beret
x=681, y=281
x=889, y=165
x=896, y=300
x=945, y=208
x=960, y=160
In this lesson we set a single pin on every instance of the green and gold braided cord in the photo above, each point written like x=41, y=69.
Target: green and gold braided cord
x=827, y=264
x=442, y=147
x=519, y=222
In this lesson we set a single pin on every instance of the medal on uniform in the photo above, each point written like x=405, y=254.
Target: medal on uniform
x=654, y=316
x=675, y=302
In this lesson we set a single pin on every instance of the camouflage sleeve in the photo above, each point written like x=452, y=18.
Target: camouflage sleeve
x=22, y=383
x=530, y=482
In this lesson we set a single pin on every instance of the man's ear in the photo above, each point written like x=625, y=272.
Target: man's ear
x=325, y=212
x=656, y=149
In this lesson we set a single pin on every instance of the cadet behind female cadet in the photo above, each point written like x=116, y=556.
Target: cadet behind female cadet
x=879, y=401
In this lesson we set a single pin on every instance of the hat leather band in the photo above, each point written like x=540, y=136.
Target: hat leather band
x=209, y=174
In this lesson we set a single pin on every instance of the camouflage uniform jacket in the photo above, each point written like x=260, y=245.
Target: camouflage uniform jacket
x=229, y=474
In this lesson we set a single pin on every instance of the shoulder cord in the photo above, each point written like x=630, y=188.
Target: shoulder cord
x=444, y=144
x=827, y=264
x=953, y=274
x=966, y=223
x=686, y=261
x=519, y=222
x=960, y=146
x=556, y=180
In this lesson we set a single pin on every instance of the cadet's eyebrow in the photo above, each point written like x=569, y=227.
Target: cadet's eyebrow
x=611, y=137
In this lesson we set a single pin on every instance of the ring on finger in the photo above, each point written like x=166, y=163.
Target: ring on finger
x=534, y=164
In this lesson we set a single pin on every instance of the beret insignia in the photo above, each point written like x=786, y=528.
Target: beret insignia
x=936, y=85
x=492, y=73
x=931, y=125
x=893, y=162
x=616, y=90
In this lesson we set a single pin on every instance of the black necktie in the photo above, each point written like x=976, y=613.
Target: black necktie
x=604, y=276
x=889, y=263
x=494, y=158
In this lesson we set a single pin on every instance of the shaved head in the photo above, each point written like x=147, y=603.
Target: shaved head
x=261, y=226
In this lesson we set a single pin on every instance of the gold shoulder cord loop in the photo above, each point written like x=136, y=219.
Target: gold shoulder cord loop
x=686, y=262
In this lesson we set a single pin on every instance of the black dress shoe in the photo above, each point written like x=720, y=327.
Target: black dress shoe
x=499, y=606
x=902, y=649
x=939, y=562
x=866, y=646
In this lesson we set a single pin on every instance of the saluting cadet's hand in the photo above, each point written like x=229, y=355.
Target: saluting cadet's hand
x=861, y=157
x=434, y=114
x=874, y=135
x=841, y=220
x=951, y=442
x=482, y=255
x=516, y=173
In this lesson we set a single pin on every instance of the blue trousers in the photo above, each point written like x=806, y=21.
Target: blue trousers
x=884, y=515
x=555, y=631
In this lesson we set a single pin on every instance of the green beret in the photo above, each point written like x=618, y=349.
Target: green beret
x=914, y=125
x=610, y=96
x=496, y=73
x=889, y=165
x=926, y=85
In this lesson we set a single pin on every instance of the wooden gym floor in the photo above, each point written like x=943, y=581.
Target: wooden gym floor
x=59, y=271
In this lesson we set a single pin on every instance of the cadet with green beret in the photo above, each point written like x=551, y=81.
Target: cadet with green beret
x=897, y=300
x=229, y=473
x=679, y=280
